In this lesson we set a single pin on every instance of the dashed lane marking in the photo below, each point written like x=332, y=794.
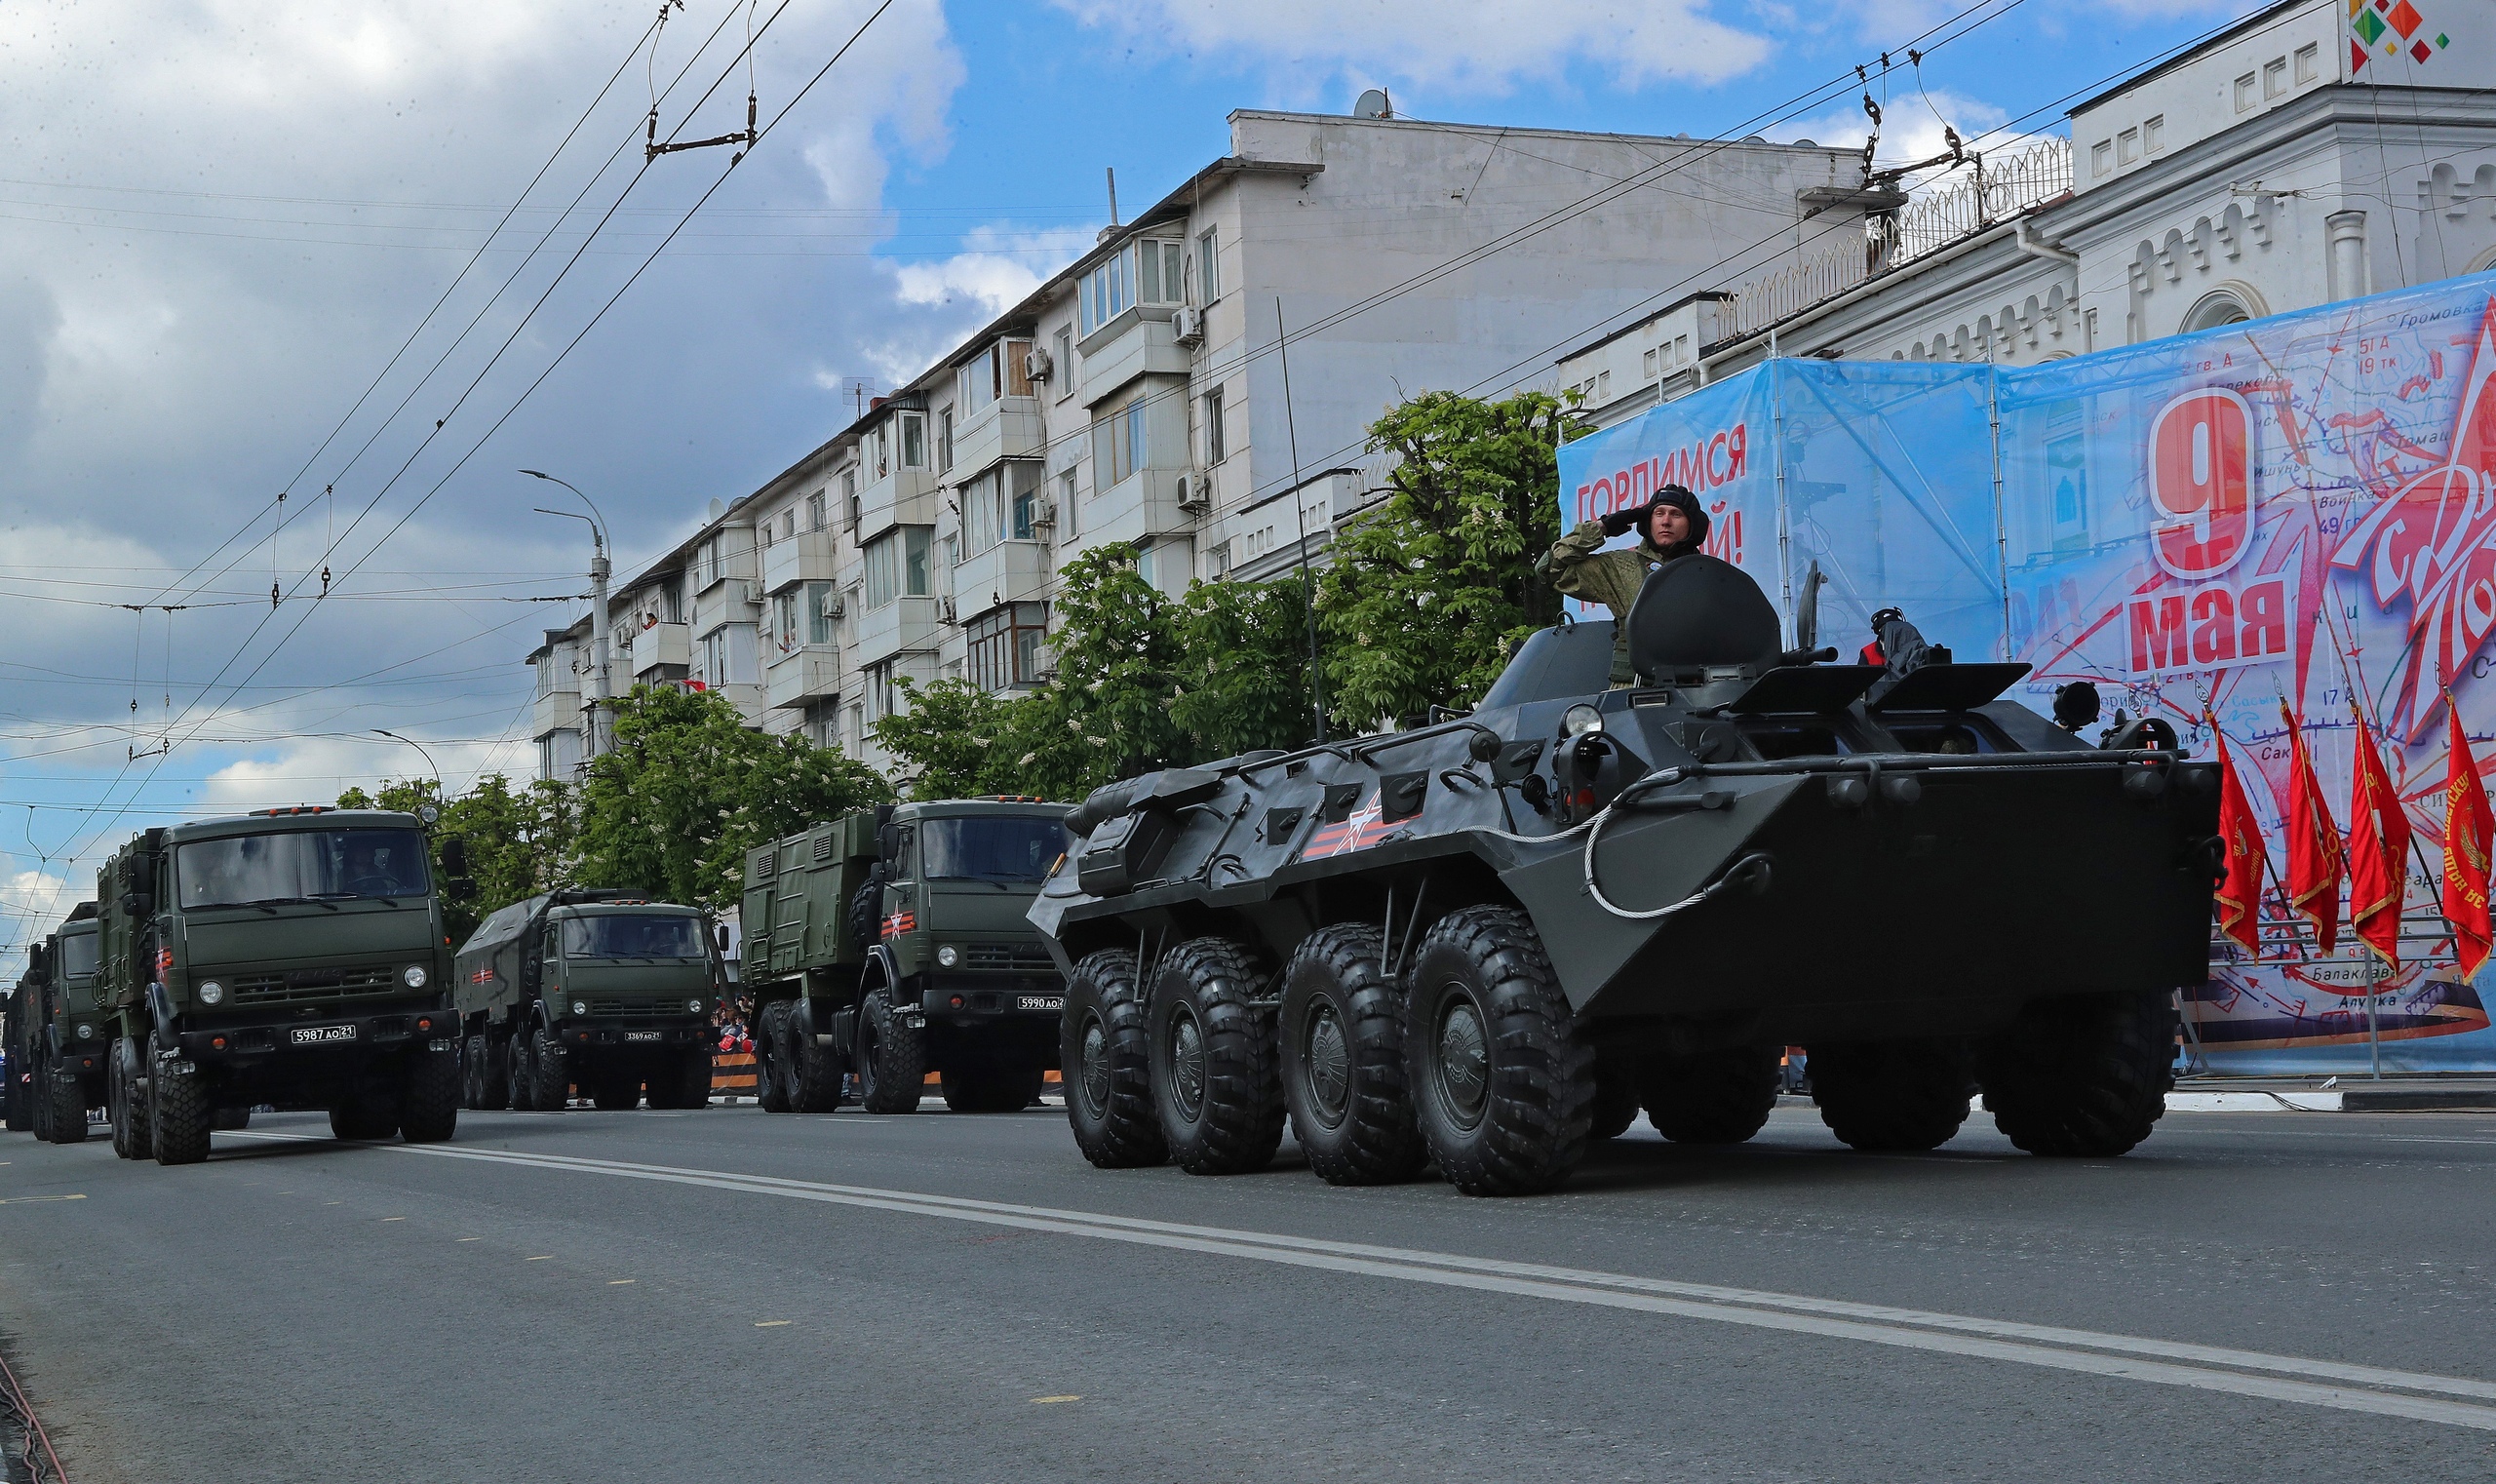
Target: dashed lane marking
x=393, y=1218
x=772, y=1324
x=545, y=1258
x=1046, y=1400
x=472, y=1238
x=620, y=1282
x=30, y=1200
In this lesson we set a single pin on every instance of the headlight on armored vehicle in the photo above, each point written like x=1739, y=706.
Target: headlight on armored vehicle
x=581, y=1008
x=210, y=993
x=1581, y=717
x=948, y=956
x=86, y=1032
x=694, y=1007
x=413, y=976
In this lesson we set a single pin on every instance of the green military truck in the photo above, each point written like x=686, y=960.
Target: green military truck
x=893, y=944
x=18, y=1020
x=293, y=957
x=601, y=990
x=60, y=1046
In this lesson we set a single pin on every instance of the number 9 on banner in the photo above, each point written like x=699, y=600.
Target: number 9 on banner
x=2200, y=481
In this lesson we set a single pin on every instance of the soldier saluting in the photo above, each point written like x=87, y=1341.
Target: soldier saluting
x=1672, y=524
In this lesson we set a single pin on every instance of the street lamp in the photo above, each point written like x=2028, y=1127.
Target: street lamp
x=383, y=731
x=602, y=692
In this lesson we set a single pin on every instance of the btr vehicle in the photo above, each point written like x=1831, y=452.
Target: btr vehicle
x=1482, y=943
x=60, y=1047
x=291, y=957
x=601, y=990
x=894, y=944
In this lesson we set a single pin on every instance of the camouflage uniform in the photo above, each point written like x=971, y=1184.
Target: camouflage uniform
x=1579, y=569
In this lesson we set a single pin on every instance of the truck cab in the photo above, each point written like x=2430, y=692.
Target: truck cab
x=71, y=1044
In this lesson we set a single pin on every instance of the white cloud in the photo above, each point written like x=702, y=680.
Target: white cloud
x=997, y=268
x=1911, y=127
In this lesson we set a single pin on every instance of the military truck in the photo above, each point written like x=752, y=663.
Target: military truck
x=894, y=944
x=1454, y=945
x=63, y=1035
x=292, y=957
x=17, y=1045
x=596, y=989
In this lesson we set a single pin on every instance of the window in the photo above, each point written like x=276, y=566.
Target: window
x=823, y=724
x=1066, y=504
x=2245, y=93
x=1162, y=271
x=673, y=597
x=1208, y=267
x=897, y=565
x=784, y=620
x=706, y=562
x=2154, y=134
x=849, y=495
x=2101, y=159
x=913, y=440
x=998, y=371
x=1022, y=509
x=998, y=506
x=633, y=935
x=945, y=441
x=2309, y=63
x=1215, y=446
x=1005, y=645
x=1118, y=446
x=884, y=450
x=814, y=511
x=858, y=730
x=1145, y=272
x=765, y=531
x=789, y=521
x=295, y=865
x=818, y=612
x=1650, y=362
x=1064, y=370
x=878, y=680
x=997, y=848
x=546, y=674
x=2275, y=77
x=2127, y=146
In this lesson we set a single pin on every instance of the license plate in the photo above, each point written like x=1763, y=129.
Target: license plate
x=641, y=1035
x=1041, y=1002
x=314, y=1035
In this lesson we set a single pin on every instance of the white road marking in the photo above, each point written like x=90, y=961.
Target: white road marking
x=2336, y=1385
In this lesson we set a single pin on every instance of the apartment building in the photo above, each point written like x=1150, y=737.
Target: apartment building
x=2318, y=150
x=1199, y=384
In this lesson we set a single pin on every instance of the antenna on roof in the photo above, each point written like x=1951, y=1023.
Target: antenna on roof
x=1113, y=173
x=1374, y=104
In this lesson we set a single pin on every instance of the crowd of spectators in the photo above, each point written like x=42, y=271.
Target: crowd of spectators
x=730, y=1019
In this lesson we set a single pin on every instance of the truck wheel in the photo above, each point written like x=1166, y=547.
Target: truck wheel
x=133, y=1139
x=369, y=1110
x=1503, y=1078
x=1615, y=1104
x=773, y=1073
x=181, y=1117
x=892, y=1058
x=429, y=1097
x=516, y=1070
x=692, y=1084
x=2086, y=1077
x=472, y=1073
x=229, y=1120
x=1109, y=1078
x=1217, y=1077
x=33, y=1102
x=814, y=1081
x=64, y=1113
x=1716, y=1097
x=1343, y=1060
x=495, y=1075
x=616, y=1092
x=1891, y=1097
x=550, y=1072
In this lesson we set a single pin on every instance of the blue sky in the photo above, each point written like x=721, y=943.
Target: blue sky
x=217, y=223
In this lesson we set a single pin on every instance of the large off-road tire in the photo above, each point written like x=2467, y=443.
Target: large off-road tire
x=429, y=1097
x=1713, y=1097
x=550, y=1072
x=132, y=1137
x=229, y=1120
x=1341, y=1043
x=181, y=1116
x=815, y=1072
x=1615, y=1104
x=772, y=1073
x=2084, y=1077
x=1217, y=1068
x=517, y=1073
x=64, y=1113
x=1503, y=1077
x=980, y=1087
x=369, y=1109
x=690, y=1084
x=34, y=1094
x=1891, y=1097
x=891, y=1060
x=494, y=1085
x=614, y=1090
x=1109, y=1076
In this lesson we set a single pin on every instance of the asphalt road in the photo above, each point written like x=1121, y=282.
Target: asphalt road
x=731, y=1295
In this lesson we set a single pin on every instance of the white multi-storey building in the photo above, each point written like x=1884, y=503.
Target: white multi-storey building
x=1199, y=384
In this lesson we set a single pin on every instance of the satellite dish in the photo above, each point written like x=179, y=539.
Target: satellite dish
x=718, y=509
x=1373, y=104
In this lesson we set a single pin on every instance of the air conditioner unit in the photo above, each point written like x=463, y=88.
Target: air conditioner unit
x=1195, y=490
x=750, y=592
x=1036, y=365
x=1187, y=325
x=945, y=610
x=835, y=604
x=1044, y=515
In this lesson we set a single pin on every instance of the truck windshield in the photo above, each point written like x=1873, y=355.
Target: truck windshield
x=77, y=952
x=991, y=849
x=633, y=935
x=300, y=866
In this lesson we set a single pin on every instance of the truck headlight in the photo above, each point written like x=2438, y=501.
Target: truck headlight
x=694, y=1007
x=86, y=1032
x=210, y=993
x=581, y=1008
x=948, y=956
x=413, y=976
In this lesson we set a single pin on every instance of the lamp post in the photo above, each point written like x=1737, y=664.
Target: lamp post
x=601, y=693
x=380, y=732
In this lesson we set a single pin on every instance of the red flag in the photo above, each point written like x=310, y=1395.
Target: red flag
x=2314, y=863
x=2239, y=894
x=2468, y=827
x=2378, y=852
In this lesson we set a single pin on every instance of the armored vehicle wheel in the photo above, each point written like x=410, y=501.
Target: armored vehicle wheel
x=2084, y=1077
x=550, y=1072
x=1109, y=1078
x=1217, y=1077
x=181, y=1116
x=891, y=1060
x=1715, y=1097
x=771, y=1084
x=429, y=1097
x=1890, y=1097
x=64, y=1115
x=229, y=1120
x=1343, y=1060
x=814, y=1073
x=1502, y=1079
x=132, y=1137
x=1615, y=1104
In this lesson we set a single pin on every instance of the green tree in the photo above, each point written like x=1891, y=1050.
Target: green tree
x=517, y=840
x=1242, y=667
x=1429, y=594
x=689, y=790
x=944, y=737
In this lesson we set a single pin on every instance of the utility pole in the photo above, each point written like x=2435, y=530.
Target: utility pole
x=601, y=726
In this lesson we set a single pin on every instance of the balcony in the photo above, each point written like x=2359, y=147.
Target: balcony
x=1136, y=343
x=660, y=644
x=1009, y=571
x=1143, y=505
x=805, y=557
x=808, y=673
x=1009, y=427
x=899, y=627
x=902, y=497
x=555, y=710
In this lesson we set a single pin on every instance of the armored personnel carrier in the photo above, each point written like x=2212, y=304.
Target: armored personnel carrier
x=1480, y=944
